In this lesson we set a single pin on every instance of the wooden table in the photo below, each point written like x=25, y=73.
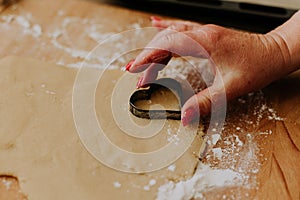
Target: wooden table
x=267, y=123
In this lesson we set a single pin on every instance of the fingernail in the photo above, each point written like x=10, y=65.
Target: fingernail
x=127, y=67
x=155, y=18
x=188, y=116
x=138, y=85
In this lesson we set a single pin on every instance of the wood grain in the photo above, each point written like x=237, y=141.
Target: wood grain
x=279, y=174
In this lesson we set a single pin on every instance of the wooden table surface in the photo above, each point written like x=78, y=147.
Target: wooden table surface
x=267, y=122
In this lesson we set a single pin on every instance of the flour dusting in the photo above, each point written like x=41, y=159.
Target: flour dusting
x=97, y=33
x=25, y=24
x=172, y=168
x=117, y=184
x=229, y=170
x=235, y=157
x=204, y=179
x=63, y=38
x=6, y=183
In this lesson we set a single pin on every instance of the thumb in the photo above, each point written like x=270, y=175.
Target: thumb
x=211, y=99
x=198, y=104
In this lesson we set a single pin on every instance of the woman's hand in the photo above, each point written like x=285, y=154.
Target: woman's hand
x=245, y=61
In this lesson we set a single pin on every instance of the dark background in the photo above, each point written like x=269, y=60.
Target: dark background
x=255, y=18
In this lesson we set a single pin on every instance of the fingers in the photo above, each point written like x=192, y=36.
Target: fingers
x=178, y=25
x=148, y=57
x=213, y=98
x=177, y=40
x=147, y=77
x=154, y=52
x=159, y=55
x=199, y=104
x=180, y=39
x=150, y=74
x=170, y=43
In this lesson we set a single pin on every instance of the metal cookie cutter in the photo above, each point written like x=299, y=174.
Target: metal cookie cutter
x=145, y=94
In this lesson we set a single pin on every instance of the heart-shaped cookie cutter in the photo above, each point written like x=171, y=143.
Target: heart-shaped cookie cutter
x=145, y=94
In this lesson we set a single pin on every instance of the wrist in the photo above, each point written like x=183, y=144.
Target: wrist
x=287, y=37
x=281, y=51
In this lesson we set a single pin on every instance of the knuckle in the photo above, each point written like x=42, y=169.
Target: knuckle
x=213, y=32
x=169, y=38
x=214, y=29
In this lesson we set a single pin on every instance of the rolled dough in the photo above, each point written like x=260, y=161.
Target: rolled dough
x=40, y=146
x=163, y=97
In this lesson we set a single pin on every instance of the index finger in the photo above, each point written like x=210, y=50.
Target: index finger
x=170, y=43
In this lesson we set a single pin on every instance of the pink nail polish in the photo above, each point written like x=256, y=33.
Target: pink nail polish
x=138, y=85
x=155, y=18
x=127, y=67
x=188, y=116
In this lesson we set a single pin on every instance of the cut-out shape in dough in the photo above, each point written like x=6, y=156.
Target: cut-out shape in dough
x=10, y=189
x=162, y=99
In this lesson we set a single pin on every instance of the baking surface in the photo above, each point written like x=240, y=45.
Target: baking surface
x=260, y=140
x=42, y=142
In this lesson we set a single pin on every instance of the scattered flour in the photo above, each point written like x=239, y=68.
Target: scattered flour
x=60, y=38
x=117, y=184
x=233, y=162
x=215, y=138
x=147, y=187
x=60, y=13
x=36, y=30
x=267, y=132
x=6, y=183
x=97, y=33
x=238, y=157
x=29, y=94
x=204, y=179
x=172, y=168
x=22, y=21
x=7, y=19
x=50, y=92
x=238, y=141
x=236, y=163
x=217, y=152
x=25, y=23
x=151, y=183
x=172, y=135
